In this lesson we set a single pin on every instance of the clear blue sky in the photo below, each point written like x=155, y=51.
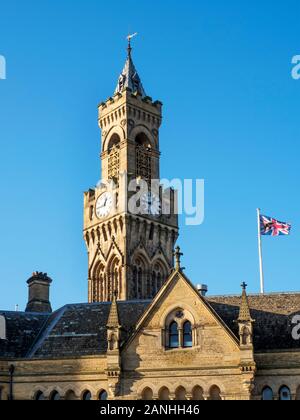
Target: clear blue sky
x=231, y=116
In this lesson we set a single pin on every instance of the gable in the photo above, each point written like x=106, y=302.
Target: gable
x=213, y=342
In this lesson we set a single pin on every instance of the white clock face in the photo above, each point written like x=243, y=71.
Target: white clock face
x=151, y=204
x=104, y=205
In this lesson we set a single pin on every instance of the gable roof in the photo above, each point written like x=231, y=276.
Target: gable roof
x=162, y=293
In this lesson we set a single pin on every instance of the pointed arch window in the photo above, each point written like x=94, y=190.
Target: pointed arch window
x=139, y=277
x=187, y=335
x=143, y=157
x=285, y=394
x=267, y=394
x=173, y=336
x=114, y=158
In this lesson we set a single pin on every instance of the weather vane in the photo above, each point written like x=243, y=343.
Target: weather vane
x=129, y=38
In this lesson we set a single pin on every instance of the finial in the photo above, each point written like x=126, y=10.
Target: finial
x=178, y=256
x=129, y=38
x=244, y=286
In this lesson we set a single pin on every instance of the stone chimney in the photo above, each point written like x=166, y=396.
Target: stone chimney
x=38, y=293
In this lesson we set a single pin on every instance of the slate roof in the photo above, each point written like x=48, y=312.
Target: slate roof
x=80, y=330
x=74, y=330
x=21, y=331
x=129, y=78
x=273, y=314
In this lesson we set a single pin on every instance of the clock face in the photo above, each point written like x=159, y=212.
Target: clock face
x=104, y=205
x=151, y=204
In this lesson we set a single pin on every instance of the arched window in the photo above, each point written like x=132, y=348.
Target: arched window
x=103, y=396
x=138, y=279
x=114, y=158
x=173, y=336
x=54, y=396
x=285, y=394
x=164, y=394
x=158, y=276
x=197, y=394
x=143, y=157
x=70, y=396
x=187, y=335
x=115, y=278
x=39, y=396
x=180, y=394
x=267, y=394
x=87, y=396
x=98, y=284
x=215, y=393
x=147, y=394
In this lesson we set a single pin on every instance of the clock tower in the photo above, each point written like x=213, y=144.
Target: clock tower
x=129, y=253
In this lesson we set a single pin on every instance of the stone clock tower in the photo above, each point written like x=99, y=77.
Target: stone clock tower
x=129, y=253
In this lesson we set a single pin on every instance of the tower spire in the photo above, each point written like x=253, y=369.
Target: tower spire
x=129, y=78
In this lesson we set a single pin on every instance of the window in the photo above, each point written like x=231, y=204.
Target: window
x=215, y=393
x=55, y=396
x=198, y=394
x=187, y=335
x=87, y=396
x=164, y=394
x=39, y=396
x=143, y=157
x=285, y=394
x=267, y=394
x=103, y=396
x=180, y=394
x=173, y=336
x=147, y=394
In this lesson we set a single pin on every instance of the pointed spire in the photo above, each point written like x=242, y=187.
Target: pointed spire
x=244, y=308
x=129, y=78
x=113, y=319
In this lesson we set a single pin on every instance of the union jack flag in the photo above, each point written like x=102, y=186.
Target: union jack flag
x=272, y=227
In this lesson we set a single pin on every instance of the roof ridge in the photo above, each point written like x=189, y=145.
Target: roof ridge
x=253, y=295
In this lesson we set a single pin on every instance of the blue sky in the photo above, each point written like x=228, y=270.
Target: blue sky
x=231, y=116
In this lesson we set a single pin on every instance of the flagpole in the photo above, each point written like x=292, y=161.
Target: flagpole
x=262, y=282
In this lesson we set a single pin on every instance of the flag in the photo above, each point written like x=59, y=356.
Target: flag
x=272, y=227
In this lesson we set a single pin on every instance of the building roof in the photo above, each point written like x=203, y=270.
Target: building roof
x=272, y=313
x=81, y=330
x=74, y=330
x=21, y=331
x=129, y=78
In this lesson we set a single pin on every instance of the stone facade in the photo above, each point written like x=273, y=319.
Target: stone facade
x=146, y=333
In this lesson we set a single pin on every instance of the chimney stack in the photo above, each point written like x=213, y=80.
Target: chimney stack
x=202, y=289
x=38, y=293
